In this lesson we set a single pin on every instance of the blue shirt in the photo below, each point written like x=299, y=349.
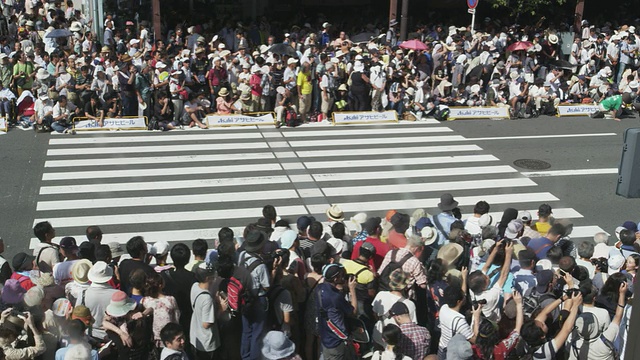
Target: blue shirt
x=443, y=223
x=540, y=246
x=334, y=309
x=508, y=284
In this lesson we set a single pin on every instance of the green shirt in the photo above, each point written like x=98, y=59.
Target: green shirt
x=28, y=70
x=612, y=103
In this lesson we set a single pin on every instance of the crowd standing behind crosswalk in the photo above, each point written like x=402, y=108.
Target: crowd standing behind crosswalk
x=404, y=286
x=55, y=71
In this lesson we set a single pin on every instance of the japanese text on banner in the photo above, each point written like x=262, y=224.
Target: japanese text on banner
x=239, y=120
x=478, y=113
x=112, y=123
x=577, y=110
x=364, y=117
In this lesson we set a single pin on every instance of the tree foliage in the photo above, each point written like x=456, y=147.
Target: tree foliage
x=525, y=7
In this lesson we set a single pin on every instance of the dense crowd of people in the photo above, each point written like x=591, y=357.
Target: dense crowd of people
x=406, y=286
x=54, y=70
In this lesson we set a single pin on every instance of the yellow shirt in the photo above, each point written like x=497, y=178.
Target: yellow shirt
x=304, y=81
x=352, y=268
x=542, y=228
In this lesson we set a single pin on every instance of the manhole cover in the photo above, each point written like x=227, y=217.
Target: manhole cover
x=532, y=164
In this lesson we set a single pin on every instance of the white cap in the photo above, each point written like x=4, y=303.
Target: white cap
x=134, y=41
x=292, y=61
x=162, y=248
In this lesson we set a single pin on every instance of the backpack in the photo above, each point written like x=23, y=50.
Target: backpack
x=272, y=318
x=532, y=301
x=291, y=118
x=442, y=114
x=240, y=300
x=393, y=265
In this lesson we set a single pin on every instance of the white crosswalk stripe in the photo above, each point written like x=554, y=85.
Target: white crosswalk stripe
x=180, y=186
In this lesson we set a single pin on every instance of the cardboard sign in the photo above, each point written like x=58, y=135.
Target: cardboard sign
x=577, y=110
x=365, y=117
x=3, y=125
x=136, y=123
x=460, y=113
x=214, y=120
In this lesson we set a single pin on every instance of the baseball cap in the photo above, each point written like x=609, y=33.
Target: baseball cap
x=525, y=216
x=513, y=228
x=615, y=263
x=68, y=243
x=304, y=222
x=630, y=225
x=368, y=247
x=423, y=222
x=399, y=308
x=543, y=278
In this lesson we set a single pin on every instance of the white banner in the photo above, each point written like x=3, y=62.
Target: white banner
x=112, y=124
x=478, y=113
x=3, y=125
x=364, y=117
x=239, y=120
x=577, y=110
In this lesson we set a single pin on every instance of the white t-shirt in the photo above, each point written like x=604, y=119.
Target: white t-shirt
x=601, y=314
x=382, y=303
x=491, y=310
x=596, y=349
x=203, y=312
x=473, y=225
x=386, y=355
x=450, y=321
x=62, y=271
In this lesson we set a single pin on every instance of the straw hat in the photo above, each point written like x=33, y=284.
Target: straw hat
x=80, y=271
x=450, y=252
x=335, y=213
x=223, y=92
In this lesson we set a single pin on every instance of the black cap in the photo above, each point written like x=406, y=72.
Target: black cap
x=21, y=261
x=398, y=308
x=68, y=243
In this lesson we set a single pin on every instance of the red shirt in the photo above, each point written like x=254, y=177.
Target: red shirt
x=381, y=250
x=397, y=240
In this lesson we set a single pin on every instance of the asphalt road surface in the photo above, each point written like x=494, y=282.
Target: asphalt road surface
x=181, y=185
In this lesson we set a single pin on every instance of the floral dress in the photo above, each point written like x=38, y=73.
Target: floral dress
x=165, y=310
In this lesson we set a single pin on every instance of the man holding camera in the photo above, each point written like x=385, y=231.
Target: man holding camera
x=479, y=281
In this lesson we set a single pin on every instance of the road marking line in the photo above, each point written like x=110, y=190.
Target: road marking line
x=354, y=132
x=196, y=148
x=168, y=217
x=427, y=187
x=399, y=174
x=159, y=172
x=412, y=203
x=522, y=137
x=163, y=184
x=552, y=173
x=123, y=202
x=376, y=141
x=386, y=151
x=159, y=138
x=157, y=160
x=585, y=231
x=397, y=162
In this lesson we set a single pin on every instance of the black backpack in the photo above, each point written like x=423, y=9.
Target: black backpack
x=533, y=300
x=272, y=318
x=393, y=265
x=442, y=114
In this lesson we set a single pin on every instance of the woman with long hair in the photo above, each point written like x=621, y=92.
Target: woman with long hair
x=608, y=298
x=489, y=345
x=165, y=308
x=391, y=335
x=508, y=215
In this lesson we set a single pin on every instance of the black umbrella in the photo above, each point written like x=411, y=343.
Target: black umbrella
x=59, y=33
x=283, y=49
x=564, y=64
x=362, y=37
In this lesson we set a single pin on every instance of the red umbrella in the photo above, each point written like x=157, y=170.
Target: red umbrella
x=414, y=44
x=520, y=45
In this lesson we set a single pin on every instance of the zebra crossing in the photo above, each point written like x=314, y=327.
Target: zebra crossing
x=183, y=185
